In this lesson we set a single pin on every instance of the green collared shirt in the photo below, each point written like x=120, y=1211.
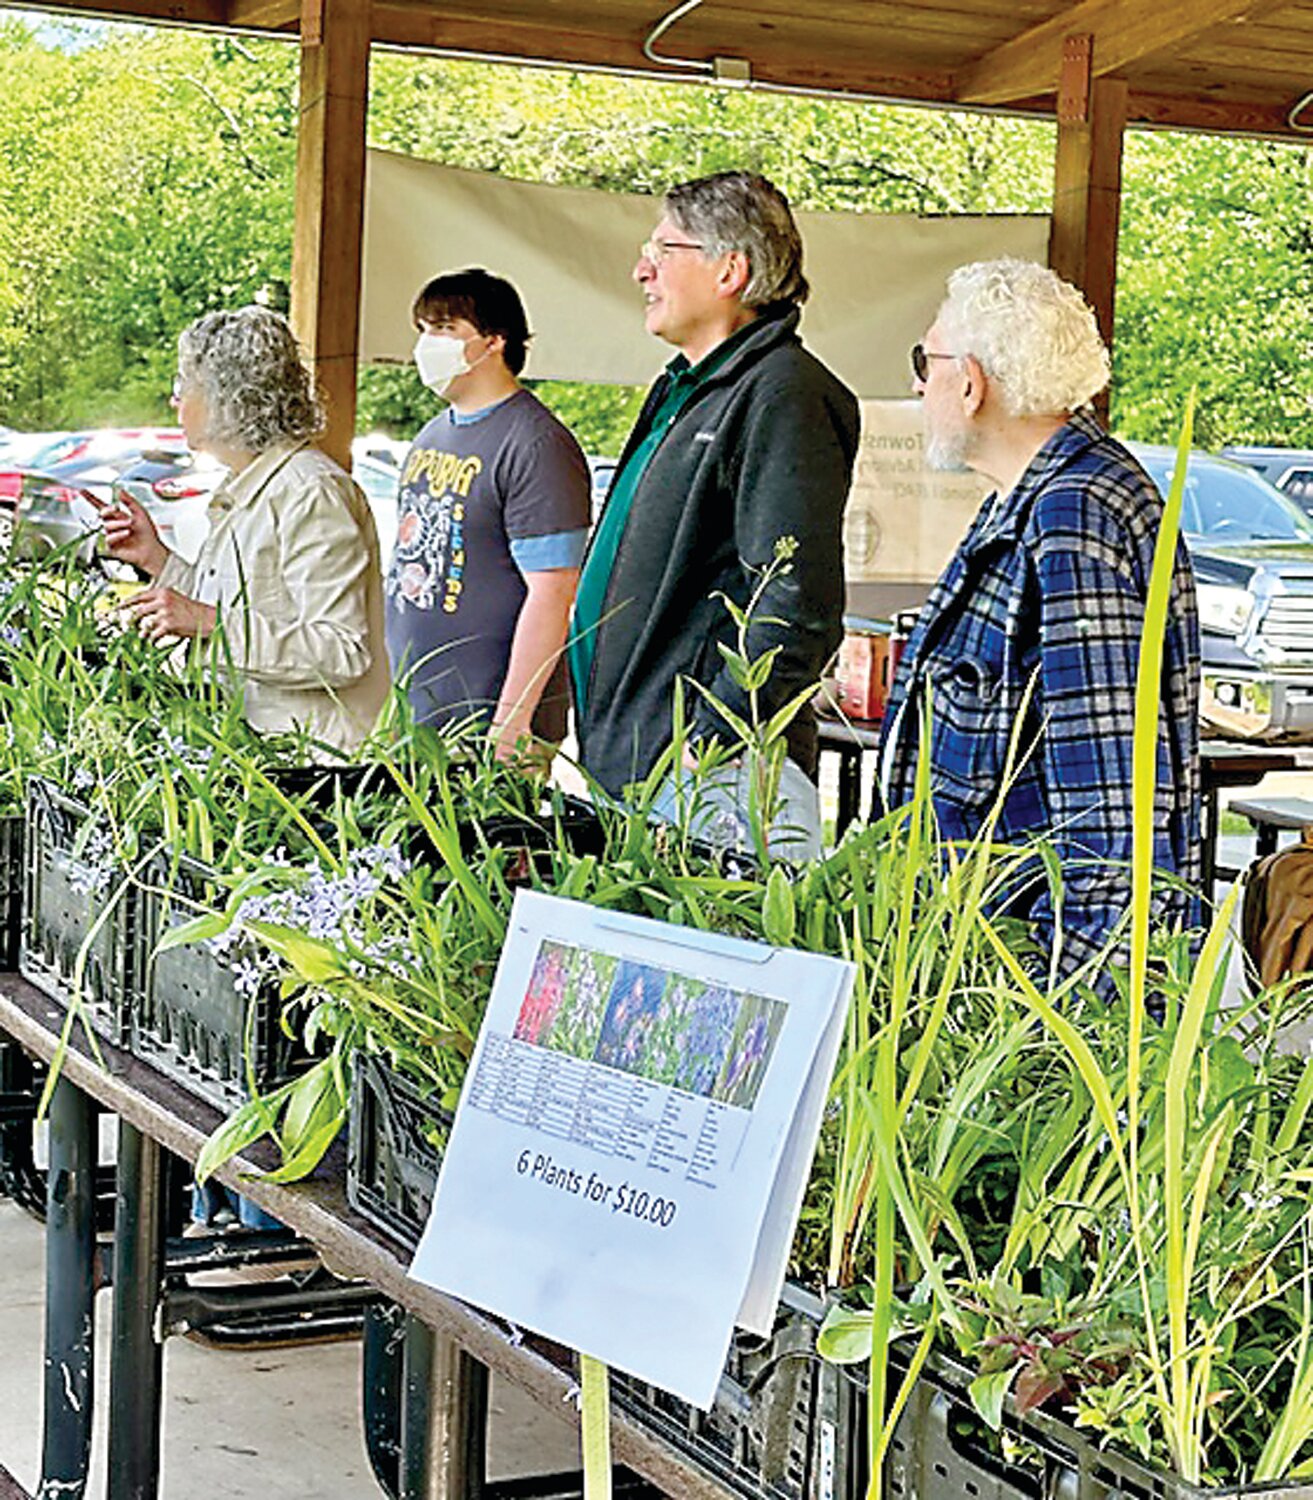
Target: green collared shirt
x=683, y=380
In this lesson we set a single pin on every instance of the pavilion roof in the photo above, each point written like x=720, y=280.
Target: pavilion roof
x=1217, y=65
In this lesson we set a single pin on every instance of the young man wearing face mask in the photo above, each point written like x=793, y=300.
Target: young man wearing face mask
x=492, y=518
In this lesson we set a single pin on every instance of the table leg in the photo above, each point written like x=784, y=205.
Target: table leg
x=1209, y=819
x=444, y=1419
x=70, y=1294
x=850, y=791
x=381, y=1347
x=136, y=1355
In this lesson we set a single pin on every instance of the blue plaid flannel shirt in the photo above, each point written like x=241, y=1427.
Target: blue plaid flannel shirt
x=1052, y=586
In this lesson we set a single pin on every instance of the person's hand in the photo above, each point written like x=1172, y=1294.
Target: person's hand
x=161, y=614
x=514, y=745
x=130, y=533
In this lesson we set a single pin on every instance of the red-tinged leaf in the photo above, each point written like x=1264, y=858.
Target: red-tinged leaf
x=1033, y=1388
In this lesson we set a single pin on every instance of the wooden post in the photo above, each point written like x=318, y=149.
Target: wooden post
x=330, y=200
x=1087, y=181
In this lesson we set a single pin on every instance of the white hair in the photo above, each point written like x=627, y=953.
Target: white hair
x=247, y=365
x=1034, y=335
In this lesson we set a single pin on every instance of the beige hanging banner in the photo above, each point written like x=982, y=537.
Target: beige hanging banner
x=876, y=278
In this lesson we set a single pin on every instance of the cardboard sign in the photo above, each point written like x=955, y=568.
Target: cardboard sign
x=903, y=520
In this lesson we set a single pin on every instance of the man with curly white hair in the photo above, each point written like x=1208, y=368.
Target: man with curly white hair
x=1032, y=634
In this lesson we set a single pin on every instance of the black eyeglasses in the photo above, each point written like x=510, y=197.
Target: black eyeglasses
x=921, y=357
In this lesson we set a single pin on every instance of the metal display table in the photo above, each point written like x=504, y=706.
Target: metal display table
x=444, y=1408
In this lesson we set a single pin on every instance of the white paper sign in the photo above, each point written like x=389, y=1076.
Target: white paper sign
x=633, y=1140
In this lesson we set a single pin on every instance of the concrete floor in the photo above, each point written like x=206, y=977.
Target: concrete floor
x=281, y=1424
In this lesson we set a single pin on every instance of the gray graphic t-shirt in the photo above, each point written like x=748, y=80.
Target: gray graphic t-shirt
x=482, y=501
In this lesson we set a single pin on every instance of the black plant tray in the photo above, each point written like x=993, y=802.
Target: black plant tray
x=316, y=789
x=190, y=1020
x=785, y=1424
x=790, y=1426
x=64, y=900
x=11, y=889
x=570, y=823
x=392, y=1160
x=943, y=1448
x=320, y=786
x=573, y=823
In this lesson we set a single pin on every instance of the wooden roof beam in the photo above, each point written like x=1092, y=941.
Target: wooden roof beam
x=1124, y=31
x=163, y=12
x=1212, y=114
x=264, y=15
x=458, y=28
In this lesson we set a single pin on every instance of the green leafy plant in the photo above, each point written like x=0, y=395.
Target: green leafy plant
x=1148, y=1224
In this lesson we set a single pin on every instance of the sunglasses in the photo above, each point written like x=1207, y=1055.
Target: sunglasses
x=921, y=357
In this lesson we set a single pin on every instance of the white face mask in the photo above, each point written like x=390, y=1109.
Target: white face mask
x=439, y=358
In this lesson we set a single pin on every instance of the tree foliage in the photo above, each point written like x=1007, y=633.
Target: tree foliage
x=1216, y=271
x=146, y=176
x=145, y=179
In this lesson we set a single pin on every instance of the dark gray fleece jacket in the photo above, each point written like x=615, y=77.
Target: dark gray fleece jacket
x=763, y=450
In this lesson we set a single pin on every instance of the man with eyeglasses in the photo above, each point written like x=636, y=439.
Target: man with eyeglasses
x=744, y=441
x=1026, y=652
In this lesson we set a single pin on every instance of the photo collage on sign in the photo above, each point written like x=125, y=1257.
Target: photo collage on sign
x=655, y=1023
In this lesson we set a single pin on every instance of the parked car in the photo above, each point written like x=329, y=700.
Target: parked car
x=174, y=486
x=602, y=472
x=93, y=460
x=1290, y=469
x=54, y=483
x=23, y=452
x=1252, y=549
x=19, y=448
x=376, y=467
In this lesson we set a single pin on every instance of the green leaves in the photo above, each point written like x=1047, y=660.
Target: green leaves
x=778, y=917
x=751, y=676
x=312, y=1109
x=845, y=1335
x=241, y=1129
x=198, y=930
x=988, y=1393
x=311, y=960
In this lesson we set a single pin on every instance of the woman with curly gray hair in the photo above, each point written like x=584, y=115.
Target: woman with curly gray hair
x=290, y=568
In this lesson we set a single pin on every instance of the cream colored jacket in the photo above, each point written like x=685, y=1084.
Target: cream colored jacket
x=292, y=563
